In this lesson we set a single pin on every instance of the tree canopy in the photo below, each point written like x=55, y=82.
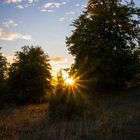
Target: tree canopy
x=3, y=70
x=3, y=67
x=105, y=43
x=30, y=75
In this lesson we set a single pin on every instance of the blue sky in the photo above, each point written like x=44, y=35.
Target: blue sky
x=39, y=22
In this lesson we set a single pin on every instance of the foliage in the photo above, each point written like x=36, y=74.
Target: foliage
x=105, y=44
x=66, y=104
x=30, y=76
x=60, y=81
x=3, y=70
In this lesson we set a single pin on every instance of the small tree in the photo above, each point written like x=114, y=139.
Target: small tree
x=60, y=81
x=30, y=76
x=66, y=102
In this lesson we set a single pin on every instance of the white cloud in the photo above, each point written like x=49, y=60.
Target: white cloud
x=70, y=13
x=4, y=35
x=25, y=37
x=63, y=2
x=17, y=1
x=30, y=1
x=9, y=23
x=51, y=5
x=84, y=6
x=20, y=6
x=77, y=5
x=50, y=11
x=67, y=16
x=13, y=1
x=61, y=19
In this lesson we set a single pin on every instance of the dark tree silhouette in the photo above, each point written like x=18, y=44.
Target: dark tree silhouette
x=105, y=43
x=30, y=76
x=3, y=70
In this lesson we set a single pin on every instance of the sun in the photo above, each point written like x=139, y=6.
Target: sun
x=65, y=74
x=69, y=81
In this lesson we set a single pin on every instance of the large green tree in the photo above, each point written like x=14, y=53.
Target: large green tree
x=105, y=43
x=30, y=76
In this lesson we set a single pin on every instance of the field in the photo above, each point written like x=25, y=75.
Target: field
x=108, y=117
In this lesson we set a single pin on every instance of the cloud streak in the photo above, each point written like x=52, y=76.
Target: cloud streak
x=21, y=4
x=58, y=60
x=70, y=13
x=18, y=1
x=51, y=6
x=61, y=19
x=8, y=36
x=68, y=16
x=9, y=23
x=12, y=1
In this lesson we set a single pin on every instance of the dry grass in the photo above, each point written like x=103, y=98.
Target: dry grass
x=108, y=118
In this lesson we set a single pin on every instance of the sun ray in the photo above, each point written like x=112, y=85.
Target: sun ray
x=69, y=81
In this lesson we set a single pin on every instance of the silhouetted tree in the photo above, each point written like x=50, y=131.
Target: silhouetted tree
x=30, y=76
x=3, y=70
x=105, y=43
x=66, y=101
x=60, y=80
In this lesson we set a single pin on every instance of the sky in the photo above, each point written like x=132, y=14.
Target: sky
x=44, y=23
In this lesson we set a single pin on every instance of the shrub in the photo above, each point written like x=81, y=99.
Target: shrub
x=64, y=104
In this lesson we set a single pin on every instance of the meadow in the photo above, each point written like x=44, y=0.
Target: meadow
x=96, y=98
x=108, y=117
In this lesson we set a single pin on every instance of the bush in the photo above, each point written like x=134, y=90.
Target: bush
x=66, y=105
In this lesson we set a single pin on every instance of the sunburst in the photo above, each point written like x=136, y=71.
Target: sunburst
x=69, y=81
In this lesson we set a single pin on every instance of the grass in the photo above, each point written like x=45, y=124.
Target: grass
x=108, y=117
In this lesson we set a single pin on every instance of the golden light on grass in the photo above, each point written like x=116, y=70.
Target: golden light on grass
x=69, y=81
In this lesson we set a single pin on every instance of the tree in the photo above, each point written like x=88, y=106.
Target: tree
x=105, y=43
x=3, y=70
x=66, y=101
x=30, y=76
x=60, y=81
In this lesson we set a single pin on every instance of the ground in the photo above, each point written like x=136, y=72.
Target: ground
x=109, y=117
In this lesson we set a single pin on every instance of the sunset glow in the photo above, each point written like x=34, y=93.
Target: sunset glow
x=69, y=81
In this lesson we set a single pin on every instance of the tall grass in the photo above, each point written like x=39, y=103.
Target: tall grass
x=66, y=104
x=108, y=117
